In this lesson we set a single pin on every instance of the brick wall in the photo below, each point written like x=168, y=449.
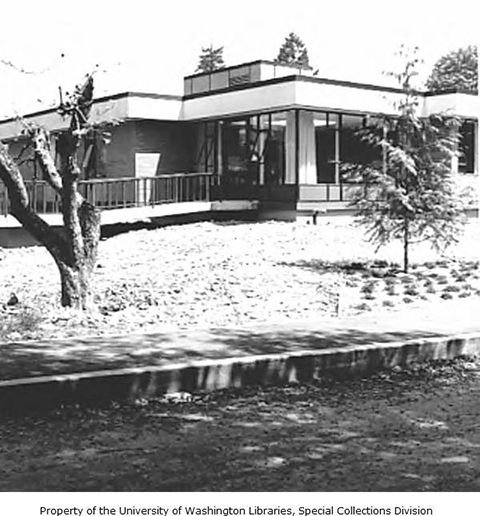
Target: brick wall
x=175, y=141
x=117, y=159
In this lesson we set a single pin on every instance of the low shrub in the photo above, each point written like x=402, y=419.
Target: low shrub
x=452, y=288
x=362, y=307
x=368, y=288
x=391, y=290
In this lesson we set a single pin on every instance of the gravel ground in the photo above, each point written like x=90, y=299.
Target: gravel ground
x=214, y=275
x=405, y=430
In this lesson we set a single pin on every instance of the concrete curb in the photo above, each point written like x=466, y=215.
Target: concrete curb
x=214, y=374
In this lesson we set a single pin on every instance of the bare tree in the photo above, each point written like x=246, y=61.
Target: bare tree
x=73, y=247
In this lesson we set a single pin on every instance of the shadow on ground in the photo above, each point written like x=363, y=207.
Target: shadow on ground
x=40, y=358
x=406, y=431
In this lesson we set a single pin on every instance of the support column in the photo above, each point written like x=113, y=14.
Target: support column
x=290, y=149
x=307, y=152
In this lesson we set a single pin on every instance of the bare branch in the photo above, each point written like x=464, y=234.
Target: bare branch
x=44, y=156
x=19, y=205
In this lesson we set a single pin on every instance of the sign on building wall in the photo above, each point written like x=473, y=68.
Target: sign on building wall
x=146, y=163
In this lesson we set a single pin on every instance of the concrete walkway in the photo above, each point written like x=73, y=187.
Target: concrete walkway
x=89, y=369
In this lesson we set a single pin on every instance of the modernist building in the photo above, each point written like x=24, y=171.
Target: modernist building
x=263, y=132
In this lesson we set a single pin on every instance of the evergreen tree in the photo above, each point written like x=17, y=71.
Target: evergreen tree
x=410, y=194
x=456, y=70
x=210, y=59
x=293, y=51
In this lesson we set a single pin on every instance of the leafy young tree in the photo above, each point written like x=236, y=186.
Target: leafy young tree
x=210, y=59
x=293, y=51
x=74, y=248
x=409, y=195
x=457, y=69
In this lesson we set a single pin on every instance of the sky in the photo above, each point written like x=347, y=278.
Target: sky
x=149, y=45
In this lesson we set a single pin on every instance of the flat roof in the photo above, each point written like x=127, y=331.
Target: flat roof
x=280, y=93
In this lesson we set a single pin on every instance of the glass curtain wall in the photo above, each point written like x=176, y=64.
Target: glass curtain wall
x=253, y=150
x=330, y=140
x=268, y=148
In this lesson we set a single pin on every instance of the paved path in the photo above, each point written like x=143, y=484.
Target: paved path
x=404, y=431
x=45, y=358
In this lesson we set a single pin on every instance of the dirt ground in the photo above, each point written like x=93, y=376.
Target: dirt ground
x=406, y=430
x=222, y=274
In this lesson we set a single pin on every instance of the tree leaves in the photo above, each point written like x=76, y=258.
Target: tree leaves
x=456, y=70
x=210, y=59
x=293, y=51
x=414, y=197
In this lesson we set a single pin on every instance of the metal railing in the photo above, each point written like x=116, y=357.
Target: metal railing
x=121, y=192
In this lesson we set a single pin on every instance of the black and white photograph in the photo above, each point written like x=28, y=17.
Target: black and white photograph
x=239, y=253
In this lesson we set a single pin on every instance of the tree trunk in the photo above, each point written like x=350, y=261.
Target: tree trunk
x=76, y=274
x=75, y=285
x=406, y=242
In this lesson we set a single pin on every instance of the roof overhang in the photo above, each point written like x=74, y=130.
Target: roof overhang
x=279, y=94
x=106, y=110
x=303, y=92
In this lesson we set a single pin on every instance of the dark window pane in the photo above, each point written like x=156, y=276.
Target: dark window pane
x=466, y=162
